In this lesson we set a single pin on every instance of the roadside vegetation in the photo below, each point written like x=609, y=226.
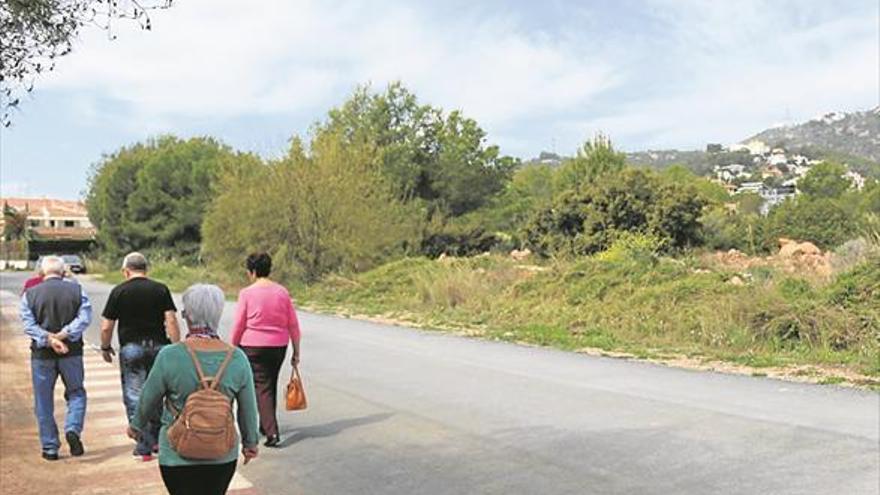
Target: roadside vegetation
x=389, y=207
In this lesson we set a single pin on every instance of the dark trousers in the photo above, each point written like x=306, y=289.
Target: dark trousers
x=266, y=363
x=198, y=479
x=135, y=362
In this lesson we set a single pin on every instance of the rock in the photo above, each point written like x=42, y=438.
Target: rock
x=736, y=280
x=518, y=255
x=792, y=249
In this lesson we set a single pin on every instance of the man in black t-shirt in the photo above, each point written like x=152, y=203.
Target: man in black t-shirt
x=147, y=320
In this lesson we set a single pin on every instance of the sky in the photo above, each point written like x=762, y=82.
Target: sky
x=651, y=74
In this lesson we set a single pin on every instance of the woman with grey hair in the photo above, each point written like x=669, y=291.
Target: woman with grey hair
x=175, y=376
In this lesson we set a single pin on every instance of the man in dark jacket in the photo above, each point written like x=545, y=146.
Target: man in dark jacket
x=55, y=314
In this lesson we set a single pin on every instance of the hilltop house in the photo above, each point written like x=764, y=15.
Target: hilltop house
x=858, y=181
x=772, y=196
x=757, y=147
x=729, y=173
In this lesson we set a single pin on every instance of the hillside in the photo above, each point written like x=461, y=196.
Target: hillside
x=851, y=138
x=855, y=134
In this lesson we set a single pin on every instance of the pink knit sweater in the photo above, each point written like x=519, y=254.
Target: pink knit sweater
x=265, y=317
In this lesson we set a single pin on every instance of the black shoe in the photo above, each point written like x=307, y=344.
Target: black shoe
x=76, y=446
x=50, y=456
x=272, y=441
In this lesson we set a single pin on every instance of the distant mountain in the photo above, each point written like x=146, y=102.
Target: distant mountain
x=851, y=138
x=854, y=134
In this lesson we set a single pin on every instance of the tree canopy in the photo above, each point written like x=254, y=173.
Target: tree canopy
x=439, y=158
x=153, y=195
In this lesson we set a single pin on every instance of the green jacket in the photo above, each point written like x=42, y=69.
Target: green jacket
x=174, y=375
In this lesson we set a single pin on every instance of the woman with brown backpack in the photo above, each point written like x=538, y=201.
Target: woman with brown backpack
x=194, y=384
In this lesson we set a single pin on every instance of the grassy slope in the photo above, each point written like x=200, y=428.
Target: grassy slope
x=647, y=308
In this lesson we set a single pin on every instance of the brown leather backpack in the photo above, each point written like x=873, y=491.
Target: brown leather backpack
x=205, y=428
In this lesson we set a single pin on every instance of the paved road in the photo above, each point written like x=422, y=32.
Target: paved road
x=401, y=411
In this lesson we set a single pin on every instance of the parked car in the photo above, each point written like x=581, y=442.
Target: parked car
x=74, y=263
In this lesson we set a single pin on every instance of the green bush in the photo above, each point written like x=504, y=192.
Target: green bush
x=152, y=196
x=587, y=221
x=633, y=246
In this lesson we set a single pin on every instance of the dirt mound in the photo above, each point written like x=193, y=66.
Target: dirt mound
x=791, y=249
x=793, y=257
x=799, y=256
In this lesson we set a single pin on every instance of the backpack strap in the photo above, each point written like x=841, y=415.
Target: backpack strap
x=215, y=381
x=198, y=365
x=210, y=382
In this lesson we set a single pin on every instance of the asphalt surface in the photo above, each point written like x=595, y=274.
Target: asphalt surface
x=402, y=411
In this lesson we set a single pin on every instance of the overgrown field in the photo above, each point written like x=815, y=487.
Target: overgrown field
x=650, y=307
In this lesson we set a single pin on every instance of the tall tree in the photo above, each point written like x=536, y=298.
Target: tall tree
x=596, y=157
x=153, y=195
x=825, y=180
x=321, y=209
x=440, y=159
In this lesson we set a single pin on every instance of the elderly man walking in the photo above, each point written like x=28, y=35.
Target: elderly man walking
x=147, y=319
x=55, y=314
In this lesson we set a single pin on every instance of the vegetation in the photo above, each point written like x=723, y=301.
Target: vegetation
x=15, y=224
x=390, y=206
x=629, y=299
x=328, y=208
x=152, y=196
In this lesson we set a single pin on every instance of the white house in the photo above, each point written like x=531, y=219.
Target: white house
x=728, y=173
x=858, y=181
x=757, y=147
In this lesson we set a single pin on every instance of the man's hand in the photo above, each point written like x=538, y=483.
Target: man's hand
x=108, y=354
x=58, y=345
x=249, y=453
x=133, y=434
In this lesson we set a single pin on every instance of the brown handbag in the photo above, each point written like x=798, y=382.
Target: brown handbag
x=296, y=393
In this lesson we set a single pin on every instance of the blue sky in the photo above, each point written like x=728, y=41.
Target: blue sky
x=535, y=75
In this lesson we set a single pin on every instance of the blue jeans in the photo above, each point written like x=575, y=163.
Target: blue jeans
x=44, y=373
x=135, y=361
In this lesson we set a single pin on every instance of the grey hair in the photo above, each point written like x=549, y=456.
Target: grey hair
x=52, y=265
x=135, y=262
x=203, y=304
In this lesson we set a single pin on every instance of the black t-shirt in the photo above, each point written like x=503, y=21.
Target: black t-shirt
x=139, y=305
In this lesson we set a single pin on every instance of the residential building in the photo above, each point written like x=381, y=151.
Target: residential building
x=53, y=218
x=757, y=147
x=728, y=173
x=858, y=181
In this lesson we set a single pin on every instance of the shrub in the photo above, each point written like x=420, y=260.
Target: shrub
x=587, y=221
x=633, y=246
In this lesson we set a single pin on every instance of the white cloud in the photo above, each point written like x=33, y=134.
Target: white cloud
x=692, y=71
x=219, y=59
x=746, y=66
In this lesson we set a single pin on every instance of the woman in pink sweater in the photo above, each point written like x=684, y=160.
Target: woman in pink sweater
x=265, y=320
